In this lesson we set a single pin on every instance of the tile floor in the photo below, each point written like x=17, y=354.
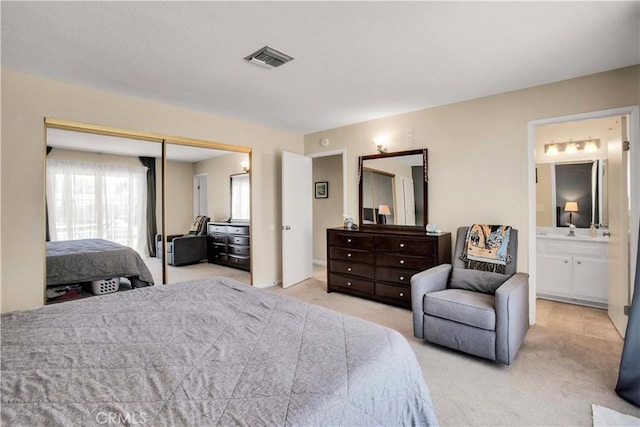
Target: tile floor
x=578, y=319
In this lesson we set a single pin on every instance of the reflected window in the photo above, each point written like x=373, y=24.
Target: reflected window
x=240, y=197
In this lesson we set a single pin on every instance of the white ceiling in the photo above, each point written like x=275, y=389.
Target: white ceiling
x=354, y=61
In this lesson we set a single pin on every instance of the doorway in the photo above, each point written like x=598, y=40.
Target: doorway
x=200, y=201
x=328, y=171
x=329, y=207
x=572, y=267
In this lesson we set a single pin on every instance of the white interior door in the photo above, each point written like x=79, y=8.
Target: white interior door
x=297, y=218
x=200, y=195
x=617, y=186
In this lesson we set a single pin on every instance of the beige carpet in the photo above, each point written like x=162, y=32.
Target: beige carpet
x=554, y=380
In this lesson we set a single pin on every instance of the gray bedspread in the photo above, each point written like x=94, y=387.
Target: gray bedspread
x=74, y=261
x=206, y=352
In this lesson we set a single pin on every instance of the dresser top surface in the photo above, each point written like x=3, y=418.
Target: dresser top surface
x=244, y=224
x=391, y=232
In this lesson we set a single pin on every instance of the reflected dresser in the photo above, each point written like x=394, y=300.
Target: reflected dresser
x=229, y=244
x=378, y=263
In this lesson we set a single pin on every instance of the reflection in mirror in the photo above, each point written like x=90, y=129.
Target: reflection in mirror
x=100, y=192
x=197, y=184
x=240, y=198
x=575, y=191
x=393, y=189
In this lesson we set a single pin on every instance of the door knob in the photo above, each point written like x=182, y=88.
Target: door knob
x=286, y=227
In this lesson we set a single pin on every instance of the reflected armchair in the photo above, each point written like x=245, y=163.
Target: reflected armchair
x=478, y=312
x=187, y=248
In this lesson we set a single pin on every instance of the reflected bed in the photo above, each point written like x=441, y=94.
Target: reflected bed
x=75, y=261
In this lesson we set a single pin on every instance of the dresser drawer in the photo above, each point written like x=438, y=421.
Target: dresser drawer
x=351, y=255
x=240, y=261
x=399, y=293
x=218, y=238
x=404, y=261
x=234, y=239
x=351, y=240
x=219, y=257
x=238, y=229
x=218, y=248
x=238, y=250
x=404, y=245
x=216, y=228
x=394, y=275
x=351, y=283
x=355, y=269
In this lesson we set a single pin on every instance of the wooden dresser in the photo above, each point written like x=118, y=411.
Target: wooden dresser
x=229, y=244
x=378, y=264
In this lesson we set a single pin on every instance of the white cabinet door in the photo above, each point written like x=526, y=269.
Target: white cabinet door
x=554, y=275
x=590, y=279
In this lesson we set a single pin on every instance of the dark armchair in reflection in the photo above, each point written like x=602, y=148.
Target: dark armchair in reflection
x=189, y=248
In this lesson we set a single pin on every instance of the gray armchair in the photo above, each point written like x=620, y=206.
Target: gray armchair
x=183, y=249
x=478, y=312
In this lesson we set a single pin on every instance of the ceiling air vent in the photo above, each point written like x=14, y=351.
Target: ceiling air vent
x=268, y=57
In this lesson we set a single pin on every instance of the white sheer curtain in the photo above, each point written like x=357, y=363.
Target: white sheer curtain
x=240, y=197
x=97, y=200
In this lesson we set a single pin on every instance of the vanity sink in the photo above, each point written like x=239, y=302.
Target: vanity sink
x=587, y=238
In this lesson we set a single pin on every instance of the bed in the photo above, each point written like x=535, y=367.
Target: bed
x=206, y=352
x=85, y=260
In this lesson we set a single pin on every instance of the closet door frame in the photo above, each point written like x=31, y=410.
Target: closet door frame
x=53, y=123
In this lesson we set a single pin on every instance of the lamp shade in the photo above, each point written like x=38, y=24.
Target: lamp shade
x=571, y=207
x=384, y=210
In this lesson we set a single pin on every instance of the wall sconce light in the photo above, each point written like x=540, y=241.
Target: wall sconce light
x=590, y=146
x=571, y=147
x=551, y=149
x=245, y=166
x=379, y=141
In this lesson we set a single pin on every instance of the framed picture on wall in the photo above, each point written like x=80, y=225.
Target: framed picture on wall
x=322, y=190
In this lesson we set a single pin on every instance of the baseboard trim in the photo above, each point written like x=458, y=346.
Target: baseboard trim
x=577, y=301
x=268, y=284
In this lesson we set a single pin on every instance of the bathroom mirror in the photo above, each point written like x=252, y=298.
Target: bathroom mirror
x=572, y=193
x=393, y=189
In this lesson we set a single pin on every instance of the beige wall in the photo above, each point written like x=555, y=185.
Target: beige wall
x=478, y=155
x=218, y=170
x=27, y=100
x=179, y=197
x=327, y=213
x=544, y=205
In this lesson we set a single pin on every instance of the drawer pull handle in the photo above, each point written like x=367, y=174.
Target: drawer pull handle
x=579, y=262
x=349, y=269
x=349, y=255
x=348, y=283
x=566, y=262
x=401, y=294
x=401, y=277
x=402, y=245
x=401, y=261
x=348, y=240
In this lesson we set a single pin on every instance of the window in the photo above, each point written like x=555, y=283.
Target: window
x=94, y=200
x=240, y=197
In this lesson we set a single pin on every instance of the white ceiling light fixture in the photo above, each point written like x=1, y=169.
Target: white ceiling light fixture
x=269, y=58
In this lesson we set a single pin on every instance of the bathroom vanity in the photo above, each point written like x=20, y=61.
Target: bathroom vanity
x=572, y=268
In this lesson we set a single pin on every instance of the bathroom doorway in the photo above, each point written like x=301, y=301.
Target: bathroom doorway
x=569, y=260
